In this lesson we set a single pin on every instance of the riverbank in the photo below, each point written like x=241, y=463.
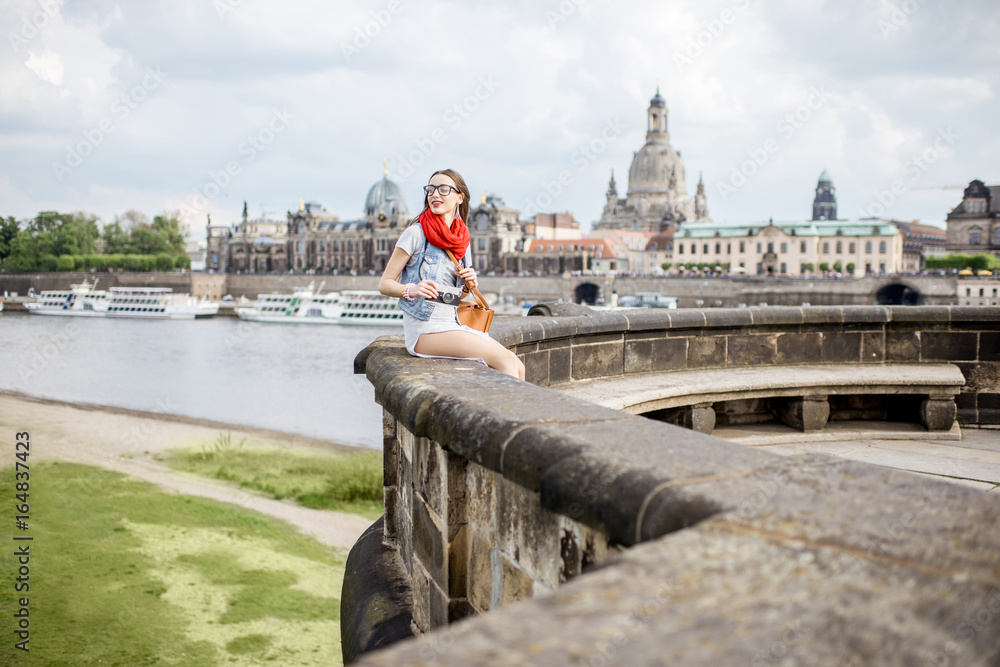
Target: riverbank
x=130, y=441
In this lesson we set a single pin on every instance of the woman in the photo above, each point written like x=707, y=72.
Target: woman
x=419, y=263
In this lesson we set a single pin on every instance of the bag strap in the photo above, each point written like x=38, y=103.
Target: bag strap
x=475, y=291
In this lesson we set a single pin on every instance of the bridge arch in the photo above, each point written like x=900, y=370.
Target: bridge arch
x=587, y=293
x=898, y=294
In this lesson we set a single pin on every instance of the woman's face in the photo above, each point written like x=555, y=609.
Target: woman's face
x=440, y=203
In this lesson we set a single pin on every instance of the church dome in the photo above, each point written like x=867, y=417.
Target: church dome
x=657, y=167
x=658, y=100
x=386, y=197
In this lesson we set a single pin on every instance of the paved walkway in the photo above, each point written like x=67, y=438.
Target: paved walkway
x=974, y=460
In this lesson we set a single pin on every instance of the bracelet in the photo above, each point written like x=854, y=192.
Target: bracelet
x=406, y=292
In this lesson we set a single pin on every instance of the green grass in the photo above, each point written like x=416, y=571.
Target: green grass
x=123, y=574
x=342, y=482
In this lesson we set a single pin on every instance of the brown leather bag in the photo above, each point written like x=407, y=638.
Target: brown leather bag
x=478, y=315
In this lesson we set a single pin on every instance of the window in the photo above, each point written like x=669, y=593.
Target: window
x=652, y=246
x=680, y=248
x=840, y=247
x=322, y=246
x=784, y=249
x=996, y=236
x=743, y=246
x=759, y=249
x=826, y=248
x=868, y=251
x=770, y=247
x=350, y=246
x=481, y=245
x=974, y=238
x=784, y=268
x=729, y=248
x=550, y=247
x=718, y=248
x=704, y=249
x=851, y=247
x=300, y=246
x=881, y=247
x=802, y=246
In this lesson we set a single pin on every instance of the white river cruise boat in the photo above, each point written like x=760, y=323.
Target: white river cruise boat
x=157, y=303
x=306, y=306
x=79, y=301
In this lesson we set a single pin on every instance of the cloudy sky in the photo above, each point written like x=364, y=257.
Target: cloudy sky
x=198, y=105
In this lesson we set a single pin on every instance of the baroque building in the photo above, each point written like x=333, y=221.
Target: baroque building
x=974, y=225
x=852, y=247
x=825, y=201
x=657, y=198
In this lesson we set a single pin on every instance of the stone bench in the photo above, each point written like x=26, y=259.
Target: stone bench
x=806, y=389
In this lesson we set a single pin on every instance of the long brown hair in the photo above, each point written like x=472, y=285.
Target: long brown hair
x=463, y=189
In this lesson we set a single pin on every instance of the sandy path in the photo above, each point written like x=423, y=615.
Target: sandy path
x=127, y=441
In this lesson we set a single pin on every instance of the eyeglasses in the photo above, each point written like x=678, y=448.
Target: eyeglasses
x=443, y=190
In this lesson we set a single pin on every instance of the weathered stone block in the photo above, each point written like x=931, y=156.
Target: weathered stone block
x=751, y=350
x=798, y=348
x=700, y=418
x=872, y=347
x=948, y=346
x=430, y=474
x=938, y=413
x=430, y=545
x=809, y=413
x=902, y=346
x=706, y=351
x=536, y=368
x=480, y=575
x=844, y=347
x=560, y=365
x=481, y=507
x=430, y=604
x=989, y=346
x=516, y=585
x=600, y=360
x=988, y=404
x=967, y=407
x=458, y=564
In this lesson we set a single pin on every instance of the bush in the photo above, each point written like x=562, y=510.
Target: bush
x=48, y=263
x=182, y=262
x=824, y=267
x=65, y=263
x=974, y=262
x=101, y=261
x=838, y=267
x=164, y=262
x=850, y=268
x=115, y=261
x=147, y=263
x=132, y=263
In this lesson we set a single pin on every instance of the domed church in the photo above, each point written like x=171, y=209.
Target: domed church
x=657, y=198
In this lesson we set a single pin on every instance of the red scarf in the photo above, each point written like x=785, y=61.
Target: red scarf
x=437, y=232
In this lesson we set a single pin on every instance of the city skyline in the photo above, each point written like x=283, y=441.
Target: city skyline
x=200, y=106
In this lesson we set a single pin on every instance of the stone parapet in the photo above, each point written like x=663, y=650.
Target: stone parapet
x=691, y=549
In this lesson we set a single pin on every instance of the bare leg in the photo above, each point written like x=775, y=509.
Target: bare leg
x=470, y=346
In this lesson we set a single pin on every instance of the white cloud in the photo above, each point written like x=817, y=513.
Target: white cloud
x=46, y=65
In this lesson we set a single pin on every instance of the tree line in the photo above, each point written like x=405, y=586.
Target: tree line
x=53, y=241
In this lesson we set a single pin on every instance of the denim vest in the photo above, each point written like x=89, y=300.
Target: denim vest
x=431, y=264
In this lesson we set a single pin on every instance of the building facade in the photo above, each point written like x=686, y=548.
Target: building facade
x=657, y=199
x=855, y=247
x=974, y=225
x=495, y=232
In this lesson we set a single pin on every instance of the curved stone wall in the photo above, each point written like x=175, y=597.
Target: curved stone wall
x=693, y=549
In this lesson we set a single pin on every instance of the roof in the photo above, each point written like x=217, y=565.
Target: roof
x=657, y=100
x=385, y=196
x=825, y=177
x=872, y=227
x=348, y=226
x=602, y=248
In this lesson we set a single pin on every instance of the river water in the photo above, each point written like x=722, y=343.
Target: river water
x=294, y=378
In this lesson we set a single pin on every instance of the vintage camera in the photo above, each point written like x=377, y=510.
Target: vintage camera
x=448, y=295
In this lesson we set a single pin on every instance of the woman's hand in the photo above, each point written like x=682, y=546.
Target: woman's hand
x=468, y=274
x=425, y=288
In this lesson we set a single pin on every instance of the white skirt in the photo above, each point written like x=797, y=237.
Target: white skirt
x=444, y=318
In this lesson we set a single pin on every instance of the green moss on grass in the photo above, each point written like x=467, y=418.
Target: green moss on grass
x=341, y=482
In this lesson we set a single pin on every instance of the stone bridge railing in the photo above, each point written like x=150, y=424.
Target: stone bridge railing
x=691, y=548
